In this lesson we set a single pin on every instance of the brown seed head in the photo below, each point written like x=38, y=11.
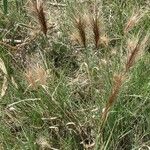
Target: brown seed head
x=80, y=25
x=118, y=81
x=133, y=20
x=38, y=9
x=36, y=76
x=96, y=30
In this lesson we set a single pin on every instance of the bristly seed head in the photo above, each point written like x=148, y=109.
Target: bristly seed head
x=136, y=48
x=36, y=76
x=80, y=25
x=133, y=20
x=40, y=14
x=96, y=30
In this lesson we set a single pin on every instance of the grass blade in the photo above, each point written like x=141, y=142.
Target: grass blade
x=5, y=6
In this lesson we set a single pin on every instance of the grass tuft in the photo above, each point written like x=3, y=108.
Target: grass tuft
x=81, y=85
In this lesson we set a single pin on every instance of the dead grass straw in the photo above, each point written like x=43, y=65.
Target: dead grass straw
x=8, y=46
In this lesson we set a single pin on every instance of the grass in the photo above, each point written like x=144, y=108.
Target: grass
x=75, y=75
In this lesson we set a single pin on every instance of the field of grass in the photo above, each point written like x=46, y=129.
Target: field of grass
x=74, y=75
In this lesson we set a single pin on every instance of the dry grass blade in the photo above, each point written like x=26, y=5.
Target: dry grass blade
x=4, y=87
x=2, y=67
x=39, y=10
x=58, y=4
x=8, y=46
x=14, y=82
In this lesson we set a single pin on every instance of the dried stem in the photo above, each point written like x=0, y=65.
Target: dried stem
x=8, y=46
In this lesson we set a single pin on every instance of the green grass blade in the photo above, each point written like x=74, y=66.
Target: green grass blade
x=17, y=4
x=5, y=6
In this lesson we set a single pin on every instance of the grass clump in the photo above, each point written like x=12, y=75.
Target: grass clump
x=74, y=75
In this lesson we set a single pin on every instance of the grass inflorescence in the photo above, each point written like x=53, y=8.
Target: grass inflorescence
x=74, y=75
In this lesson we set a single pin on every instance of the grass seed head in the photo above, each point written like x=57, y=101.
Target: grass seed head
x=36, y=76
x=136, y=49
x=131, y=44
x=76, y=38
x=96, y=31
x=133, y=20
x=118, y=81
x=131, y=57
x=80, y=25
x=38, y=10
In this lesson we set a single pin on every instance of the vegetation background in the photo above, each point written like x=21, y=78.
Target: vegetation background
x=75, y=74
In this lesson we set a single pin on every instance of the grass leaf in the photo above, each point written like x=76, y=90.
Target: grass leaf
x=5, y=6
x=2, y=67
x=4, y=87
